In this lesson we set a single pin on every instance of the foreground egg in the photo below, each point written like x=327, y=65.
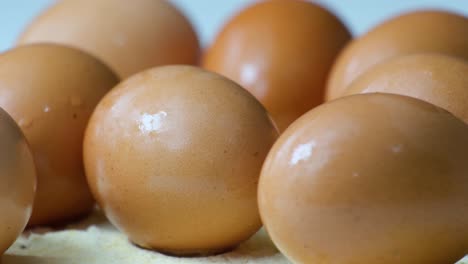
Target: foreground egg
x=374, y=178
x=435, y=78
x=282, y=52
x=17, y=181
x=173, y=156
x=415, y=32
x=130, y=36
x=51, y=91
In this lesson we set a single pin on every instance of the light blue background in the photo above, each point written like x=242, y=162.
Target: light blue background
x=209, y=15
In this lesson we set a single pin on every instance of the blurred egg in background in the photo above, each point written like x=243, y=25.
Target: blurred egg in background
x=359, y=15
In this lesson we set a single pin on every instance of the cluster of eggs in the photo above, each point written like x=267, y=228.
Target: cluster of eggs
x=191, y=161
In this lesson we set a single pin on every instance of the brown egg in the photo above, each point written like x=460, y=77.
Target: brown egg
x=415, y=32
x=374, y=178
x=51, y=91
x=281, y=51
x=130, y=36
x=173, y=156
x=17, y=181
x=435, y=78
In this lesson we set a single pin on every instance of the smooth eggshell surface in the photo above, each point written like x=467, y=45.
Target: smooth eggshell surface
x=434, y=78
x=17, y=181
x=282, y=52
x=415, y=32
x=373, y=178
x=130, y=36
x=51, y=91
x=173, y=156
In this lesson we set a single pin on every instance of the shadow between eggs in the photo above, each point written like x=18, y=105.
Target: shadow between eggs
x=83, y=222
x=257, y=247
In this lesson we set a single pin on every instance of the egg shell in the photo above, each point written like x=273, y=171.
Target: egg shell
x=282, y=52
x=420, y=31
x=17, y=181
x=130, y=36
x=50, y=91
x=373, y=178
x=434, y=78
x=179, y=167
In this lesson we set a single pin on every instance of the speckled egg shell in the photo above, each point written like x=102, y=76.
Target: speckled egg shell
x=173, y=156
x=373, y=178
x=51, y=91
x=17, y=181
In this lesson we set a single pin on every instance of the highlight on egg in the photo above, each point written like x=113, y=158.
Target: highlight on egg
x=50, y=91
x=17, y=181
x=129, y=36
x=369, y=178
x=173, y=156
x=422, y=31
x=281, y=52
